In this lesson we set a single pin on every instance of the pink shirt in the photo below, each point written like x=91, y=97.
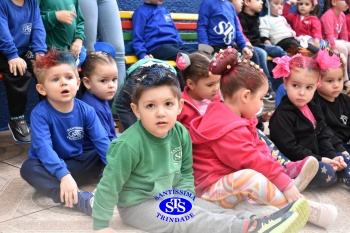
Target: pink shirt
x=308, y=114
x=334, y=27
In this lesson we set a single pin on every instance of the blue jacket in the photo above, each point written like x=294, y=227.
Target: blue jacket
x=152, y=27
x=21, y=29
x=218, y=25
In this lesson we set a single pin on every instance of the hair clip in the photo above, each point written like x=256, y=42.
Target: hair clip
x=183, y=61
x=228, y=67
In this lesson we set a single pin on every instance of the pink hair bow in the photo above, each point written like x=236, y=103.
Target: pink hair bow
x=325, y=61
x=282, y=69
x=182, y=61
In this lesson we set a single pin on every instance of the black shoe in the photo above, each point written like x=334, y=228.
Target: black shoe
x=290, y=219
x=20, y=131
x=270, y=96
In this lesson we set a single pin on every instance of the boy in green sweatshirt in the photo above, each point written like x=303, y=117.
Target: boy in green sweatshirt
x=149, y=173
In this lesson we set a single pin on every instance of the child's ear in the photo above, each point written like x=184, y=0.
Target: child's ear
x=40, y=88
x=245, y=96
x=181, y=105
x=246, y=2
x=190, y=84
x=135, y=109
x=86, y=83
x=285, y=83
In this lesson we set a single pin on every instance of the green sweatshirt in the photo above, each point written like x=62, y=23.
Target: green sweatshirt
x=59, y=34
x=140, y=166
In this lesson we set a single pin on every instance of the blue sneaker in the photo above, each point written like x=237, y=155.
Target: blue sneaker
x=83, y=204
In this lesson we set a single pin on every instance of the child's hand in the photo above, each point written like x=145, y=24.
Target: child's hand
x=106, y=230
x=65, y=16
x=267, y=42
x=76, y=47
x=341, y=162
x=317, y=43
x=334, y=163
x=292, y=194
x=250, y=46
x=247, y=53
x=68, y=191
x=148, y=56
x=17, y=63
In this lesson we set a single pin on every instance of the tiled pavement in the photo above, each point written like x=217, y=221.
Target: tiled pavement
x=26, y=211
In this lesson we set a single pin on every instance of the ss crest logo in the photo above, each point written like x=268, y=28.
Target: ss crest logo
x=177, y=154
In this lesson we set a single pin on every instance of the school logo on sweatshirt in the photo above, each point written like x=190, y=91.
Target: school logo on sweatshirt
x=75, y=133
x=176, y=154
x=72, y=8
x=167, y=17
x=225, y=29
x=27, y=28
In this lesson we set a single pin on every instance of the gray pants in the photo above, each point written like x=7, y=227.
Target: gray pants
x=208, y=217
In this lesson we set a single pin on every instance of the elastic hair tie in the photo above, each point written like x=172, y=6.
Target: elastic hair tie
x=183, y=61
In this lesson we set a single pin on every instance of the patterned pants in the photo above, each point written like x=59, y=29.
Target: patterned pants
x=245, y=184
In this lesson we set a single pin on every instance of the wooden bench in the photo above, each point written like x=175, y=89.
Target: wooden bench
x=185, y=23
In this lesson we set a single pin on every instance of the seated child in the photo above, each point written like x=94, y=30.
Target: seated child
x=154, y=33
x=305, y=21
x=202, y=88
x=100, y=78
x=335, y=105
x=275, y=30
x=57, y=163
x=228, y=157
x=297, y=126
x=218, y=26
x=150, y=166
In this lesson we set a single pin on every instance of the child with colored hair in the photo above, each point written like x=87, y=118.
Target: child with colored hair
x=298, y=127
x=22, y=39
x=150, y=165
x=275, y=30
x=336, y=33
x=64, y=24
x=305, y=21
x=335, y=105
x=227, y=153
x=57, y=163
x=218, y=26
x=100, y=78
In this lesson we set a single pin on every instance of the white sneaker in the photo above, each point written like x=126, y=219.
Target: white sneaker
x=322, y=215
x=257, y=209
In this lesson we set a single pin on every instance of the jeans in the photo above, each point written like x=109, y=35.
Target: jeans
x=102, y=18
x=122, y=104
x=260, y=58
x=274, y=51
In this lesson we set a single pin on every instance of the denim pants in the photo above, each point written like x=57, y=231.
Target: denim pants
x=260, y=58
x=82, y=168
x=102, y=19
x=274, y=51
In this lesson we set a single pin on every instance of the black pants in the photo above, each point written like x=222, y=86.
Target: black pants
x=286, y=43
x=170, y=51
x=16, y=86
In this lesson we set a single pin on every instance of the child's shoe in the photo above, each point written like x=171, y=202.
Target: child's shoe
x=84, y=202
x=290, y=219
x=322, y=215
x=303, y=171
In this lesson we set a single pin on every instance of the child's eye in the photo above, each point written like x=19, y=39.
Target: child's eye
x=295, y=85
x=103, y=81
x=329, y=81
x=115, y=80
x=340, y=79
x=55, y=79
x=309, y=87
x=69, y=77
x=150, y=106
x=169, y=104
